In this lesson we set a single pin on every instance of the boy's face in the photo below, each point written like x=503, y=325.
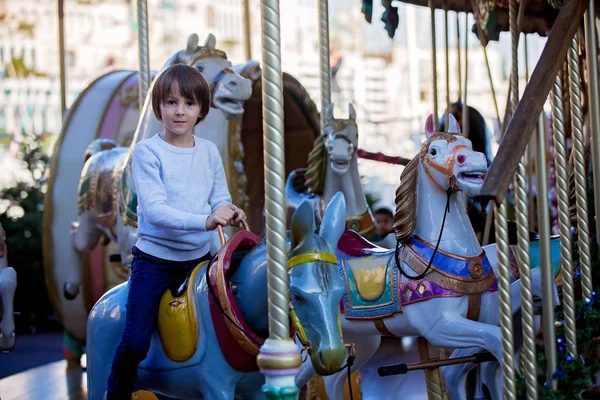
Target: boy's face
x=385, y=224
x=179, y=115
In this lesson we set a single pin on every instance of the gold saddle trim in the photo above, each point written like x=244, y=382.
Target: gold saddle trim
x=369, y=275
x=178, y=321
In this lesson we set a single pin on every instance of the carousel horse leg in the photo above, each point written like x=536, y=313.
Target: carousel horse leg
x=213, y=391
x=365, y=347
x=491, y=374
x=85, y=235
x=455, y=376
x=8, y=285
x=72, y=349
x=455, y=331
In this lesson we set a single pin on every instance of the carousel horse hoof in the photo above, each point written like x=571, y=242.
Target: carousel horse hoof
x=7, y=343
x=67, y=288
x=114, y=258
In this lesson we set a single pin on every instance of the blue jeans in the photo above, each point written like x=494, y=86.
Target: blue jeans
x=150, y=278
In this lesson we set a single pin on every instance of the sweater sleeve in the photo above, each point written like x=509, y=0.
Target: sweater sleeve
x=152, y=196
x=219, y=194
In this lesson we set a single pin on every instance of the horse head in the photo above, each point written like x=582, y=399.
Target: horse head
x=315, y=287
x=449, y=161
x=340, y=140
x=228, y=89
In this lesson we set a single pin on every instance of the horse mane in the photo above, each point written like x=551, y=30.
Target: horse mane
x=405, y=218
x=315, y=175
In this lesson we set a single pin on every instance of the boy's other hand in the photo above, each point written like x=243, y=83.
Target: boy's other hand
x=223, y=216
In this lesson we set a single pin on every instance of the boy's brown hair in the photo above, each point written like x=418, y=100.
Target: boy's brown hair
x=191, y=85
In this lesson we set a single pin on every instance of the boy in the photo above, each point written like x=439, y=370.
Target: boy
x=182, y=195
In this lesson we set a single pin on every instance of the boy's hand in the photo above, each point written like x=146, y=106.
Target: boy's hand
x=241, y=216
x=224, y=216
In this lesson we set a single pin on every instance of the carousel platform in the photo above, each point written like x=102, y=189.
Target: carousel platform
x=55, y=381
x=61, y=380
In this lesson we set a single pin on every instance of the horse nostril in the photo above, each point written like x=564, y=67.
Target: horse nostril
x=461, y=158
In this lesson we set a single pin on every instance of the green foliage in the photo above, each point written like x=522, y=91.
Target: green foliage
x=22, y=221
x=573, y=375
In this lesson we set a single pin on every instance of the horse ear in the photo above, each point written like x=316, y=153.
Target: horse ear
x=351, y=112
x=453, y=126
x=329, y=111
x=430, y=126
x=192, y=43
x=211, y=41
x=303, y=223
x=334, y=220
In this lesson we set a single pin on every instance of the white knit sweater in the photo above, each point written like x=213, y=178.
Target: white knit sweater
x=177, y=188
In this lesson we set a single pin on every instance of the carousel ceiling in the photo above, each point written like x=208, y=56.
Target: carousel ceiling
x=491, y=15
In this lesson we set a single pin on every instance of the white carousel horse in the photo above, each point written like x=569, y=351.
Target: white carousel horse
x=433, y=294
x=333, y=167
x=107, y=202
x=8, y=285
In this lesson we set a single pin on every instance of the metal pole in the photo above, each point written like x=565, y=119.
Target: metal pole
x=447, y=66
x=591, y=45
x=564, y=219
x=508, y=358
x=61, y=59
x=279, y=359
x=580, y=171
x=247, y=29
x=324, y=58
x=458, y=60
x=144, y=81
x=545, y=257
x=434, y=65
x=465, y=115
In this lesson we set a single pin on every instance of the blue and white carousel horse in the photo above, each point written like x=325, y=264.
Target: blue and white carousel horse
x=448, y=296
x=212, y=353
x=8, y=286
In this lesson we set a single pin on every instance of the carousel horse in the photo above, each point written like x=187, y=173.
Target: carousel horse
x=107, y=203
x=8, y=285
x=196, y=351
x=439, y=284
x=333, y=167
x=481, y=137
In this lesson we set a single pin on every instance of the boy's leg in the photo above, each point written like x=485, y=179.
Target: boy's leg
x=147, y=284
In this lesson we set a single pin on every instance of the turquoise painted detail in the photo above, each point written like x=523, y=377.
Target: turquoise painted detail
x=284, y=393
x=386, y=304
x=535, y=257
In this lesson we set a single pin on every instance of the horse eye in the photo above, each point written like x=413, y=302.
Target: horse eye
x=297, y=298
x=433, y=151
x=200, y=68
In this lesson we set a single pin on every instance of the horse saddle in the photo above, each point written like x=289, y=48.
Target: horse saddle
x=370, y=276
x=238, y=343
x=178, y=319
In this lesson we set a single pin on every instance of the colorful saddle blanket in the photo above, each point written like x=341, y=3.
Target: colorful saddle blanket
x=373, y=286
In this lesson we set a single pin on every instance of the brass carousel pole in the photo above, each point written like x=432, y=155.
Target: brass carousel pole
x=247, y=31
x=61, y=59
x=591, y=45
x=324, y=58
x=279, y=359
x=434, y=66
x=144, y=82
x=580, y=171
x=447, y=66
x=545, y=254
x=564, y=218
